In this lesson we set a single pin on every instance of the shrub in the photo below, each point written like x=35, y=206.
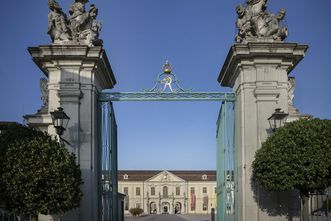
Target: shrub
x=37, y=174
x=296, y=156
x=136, y=211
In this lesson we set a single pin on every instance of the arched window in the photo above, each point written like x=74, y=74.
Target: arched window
x=204, y=177
x=165, y=191
x=125, y=176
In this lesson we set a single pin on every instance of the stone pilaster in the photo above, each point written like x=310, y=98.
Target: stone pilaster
x=76, y=75
x=258, y=74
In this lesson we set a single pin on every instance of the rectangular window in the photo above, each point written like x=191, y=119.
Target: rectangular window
x=137, y=191
x=126, y=191
x=204, y=190
x=165, y=191
x=192, y=190
x=153, y=191
x=177, y=191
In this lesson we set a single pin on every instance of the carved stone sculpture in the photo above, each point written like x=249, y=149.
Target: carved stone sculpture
x=244, y=25
x=254, y=23
x=82, y=27
x=291, y=89
x=78, y=18
x=57, y=23
x=44, y=95
x=92, y=28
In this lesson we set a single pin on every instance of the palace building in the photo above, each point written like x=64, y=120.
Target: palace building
x=173, y=192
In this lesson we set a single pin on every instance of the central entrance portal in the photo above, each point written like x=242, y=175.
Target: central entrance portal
x=167, y=89
x=165, y=206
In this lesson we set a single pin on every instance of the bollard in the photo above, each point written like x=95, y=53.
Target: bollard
x=212, y=214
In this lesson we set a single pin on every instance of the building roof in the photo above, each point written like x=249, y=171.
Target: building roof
x=187, y=175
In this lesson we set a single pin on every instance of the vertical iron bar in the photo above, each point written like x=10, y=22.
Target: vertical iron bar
x=113, y=161
x=100, y=123
x=225, y=159
x=108, y=165
x=105, y=162
x=219, y=165
x=235, y=167
x=221, y=171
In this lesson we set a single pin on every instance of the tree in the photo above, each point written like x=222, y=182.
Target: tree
x=37, y=174
x=296, y=156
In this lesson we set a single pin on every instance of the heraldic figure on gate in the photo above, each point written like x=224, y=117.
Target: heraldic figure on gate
x=255, y=23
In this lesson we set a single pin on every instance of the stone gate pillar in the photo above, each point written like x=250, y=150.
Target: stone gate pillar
x=76, y=75
x=258, y=73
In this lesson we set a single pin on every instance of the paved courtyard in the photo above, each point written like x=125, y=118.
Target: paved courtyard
x=167, y=217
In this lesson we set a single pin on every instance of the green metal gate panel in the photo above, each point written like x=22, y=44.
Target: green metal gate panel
x=108, y=163
x=226, y=165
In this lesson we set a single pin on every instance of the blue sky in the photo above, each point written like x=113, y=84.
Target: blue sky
x=195, y=35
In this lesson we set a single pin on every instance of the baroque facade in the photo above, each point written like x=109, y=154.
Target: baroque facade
x=171, y=192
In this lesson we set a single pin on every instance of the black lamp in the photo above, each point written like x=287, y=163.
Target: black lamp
x=60, y=120
x=277, y=119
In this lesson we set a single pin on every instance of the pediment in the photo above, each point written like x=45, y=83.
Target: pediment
x=165, y=176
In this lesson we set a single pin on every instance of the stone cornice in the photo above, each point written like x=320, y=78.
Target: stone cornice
x=52, y=55
x=287, y=55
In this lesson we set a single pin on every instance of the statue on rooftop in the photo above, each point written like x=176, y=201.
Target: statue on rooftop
x=254, y=23
x=82, y=27
x=57, y=23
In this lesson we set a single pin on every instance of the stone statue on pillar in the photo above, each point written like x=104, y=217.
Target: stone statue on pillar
x=254, y=23
x=77, y=70
x=292, y=110
x=44, y=95
x=82, y=28
x=257, y=68
x=291, y=89
x=57, y=23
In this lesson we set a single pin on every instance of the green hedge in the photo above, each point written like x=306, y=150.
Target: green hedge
x=136, y=211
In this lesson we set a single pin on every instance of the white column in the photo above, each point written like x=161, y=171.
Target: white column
x=77, y=74
x=257, y=72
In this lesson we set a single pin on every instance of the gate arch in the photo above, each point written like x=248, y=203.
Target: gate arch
x=108, y=135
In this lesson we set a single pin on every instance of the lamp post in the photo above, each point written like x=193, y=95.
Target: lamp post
x=277, y=119
x=60, y=121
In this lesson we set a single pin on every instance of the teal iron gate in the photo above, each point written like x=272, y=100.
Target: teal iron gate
x=108, y=164
x=226, y=166
x=167, y=88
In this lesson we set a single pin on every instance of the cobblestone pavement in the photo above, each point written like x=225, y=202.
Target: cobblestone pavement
x=167, y=217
